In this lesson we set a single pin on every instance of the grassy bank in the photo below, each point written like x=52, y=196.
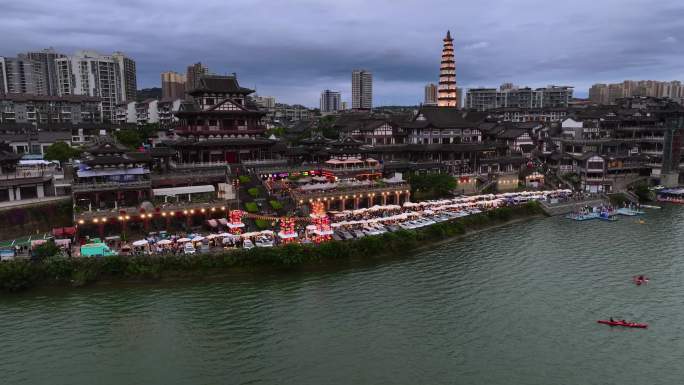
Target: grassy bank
x=23, y=274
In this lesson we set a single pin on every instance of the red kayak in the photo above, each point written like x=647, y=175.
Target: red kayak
x=625, y=324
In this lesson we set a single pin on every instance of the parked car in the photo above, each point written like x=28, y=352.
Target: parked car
x=188, y=248
x=247, y=244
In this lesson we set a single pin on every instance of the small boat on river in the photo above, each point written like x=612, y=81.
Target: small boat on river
x=629, y=212
x=582, y=216
x=623, y=324
x=607, y=218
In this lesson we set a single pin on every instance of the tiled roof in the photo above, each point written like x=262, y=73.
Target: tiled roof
x=219, y=84
x=447, y=117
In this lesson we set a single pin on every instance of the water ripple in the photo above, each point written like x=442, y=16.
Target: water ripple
x=516, y=304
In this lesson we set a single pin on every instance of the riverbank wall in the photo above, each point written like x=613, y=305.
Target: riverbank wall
x=22, y=274
x=35, y=218
x=569, y=207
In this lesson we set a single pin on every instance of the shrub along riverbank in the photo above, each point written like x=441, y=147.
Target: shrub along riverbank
x=23, y=274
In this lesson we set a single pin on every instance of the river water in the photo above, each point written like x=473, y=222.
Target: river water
x=514, y=305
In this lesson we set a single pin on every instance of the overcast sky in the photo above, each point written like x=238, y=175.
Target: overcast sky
x=293, y=49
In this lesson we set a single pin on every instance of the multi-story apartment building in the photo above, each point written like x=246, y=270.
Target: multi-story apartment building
x=521, y=115
x=362, y=90
x=46, y=110
x=330, y=101
x=173, y=85
x=293, y=113
x=109, y=77
x=149, y=111
x=609, y=93
x=166, y=111
x=266, y=102
x=430, y=98
x=46, y=59
x=21, y=75
x=127, y=70
x=193, y=74
x=483, y=99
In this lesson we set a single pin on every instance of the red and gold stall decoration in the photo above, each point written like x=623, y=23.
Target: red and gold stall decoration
x=323, y=231
x=235, y=225
x=287, y=232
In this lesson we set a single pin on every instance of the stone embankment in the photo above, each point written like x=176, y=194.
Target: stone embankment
x=566, y=207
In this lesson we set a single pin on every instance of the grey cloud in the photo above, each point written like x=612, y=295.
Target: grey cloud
x=293, y=49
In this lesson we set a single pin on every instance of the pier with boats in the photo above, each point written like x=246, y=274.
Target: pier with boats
x=607, y=212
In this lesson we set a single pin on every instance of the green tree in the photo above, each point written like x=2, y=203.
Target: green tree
x=277, y=131
x=46, y=250
x=326, y=126
x=146, y=131
x=61, y=151
x=431, y=186
x=641, y=190
x=129, y=137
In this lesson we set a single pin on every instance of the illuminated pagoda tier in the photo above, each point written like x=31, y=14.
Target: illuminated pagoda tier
x=287, y=231
x=220, y=124
x=323, y=231
x=447, y=95
x=235, y=225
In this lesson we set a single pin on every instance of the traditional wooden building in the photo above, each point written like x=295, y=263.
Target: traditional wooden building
x=110, y=176
x=220, y=124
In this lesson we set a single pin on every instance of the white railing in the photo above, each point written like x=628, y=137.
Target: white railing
x=198, y=165
x=24, y=174
x=91, y=186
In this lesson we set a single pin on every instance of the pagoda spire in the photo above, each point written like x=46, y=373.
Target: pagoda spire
x=447, y=96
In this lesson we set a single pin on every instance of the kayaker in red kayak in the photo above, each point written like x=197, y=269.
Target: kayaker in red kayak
x=640, y=279
x=623, y=322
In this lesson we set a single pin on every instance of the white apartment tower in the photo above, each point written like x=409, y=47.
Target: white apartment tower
x=109, y=77
x=362, y=90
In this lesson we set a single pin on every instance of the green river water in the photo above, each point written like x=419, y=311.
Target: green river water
x=513, y=305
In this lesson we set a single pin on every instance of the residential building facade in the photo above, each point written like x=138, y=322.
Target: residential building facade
x=21, y=75
x=609, y=93
x=507, y=96
x=330, y=101
x=173, y=85
x=193, y=74
x=41, y=110
x=362, y=90
x=108, y=77
x=431, y=94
